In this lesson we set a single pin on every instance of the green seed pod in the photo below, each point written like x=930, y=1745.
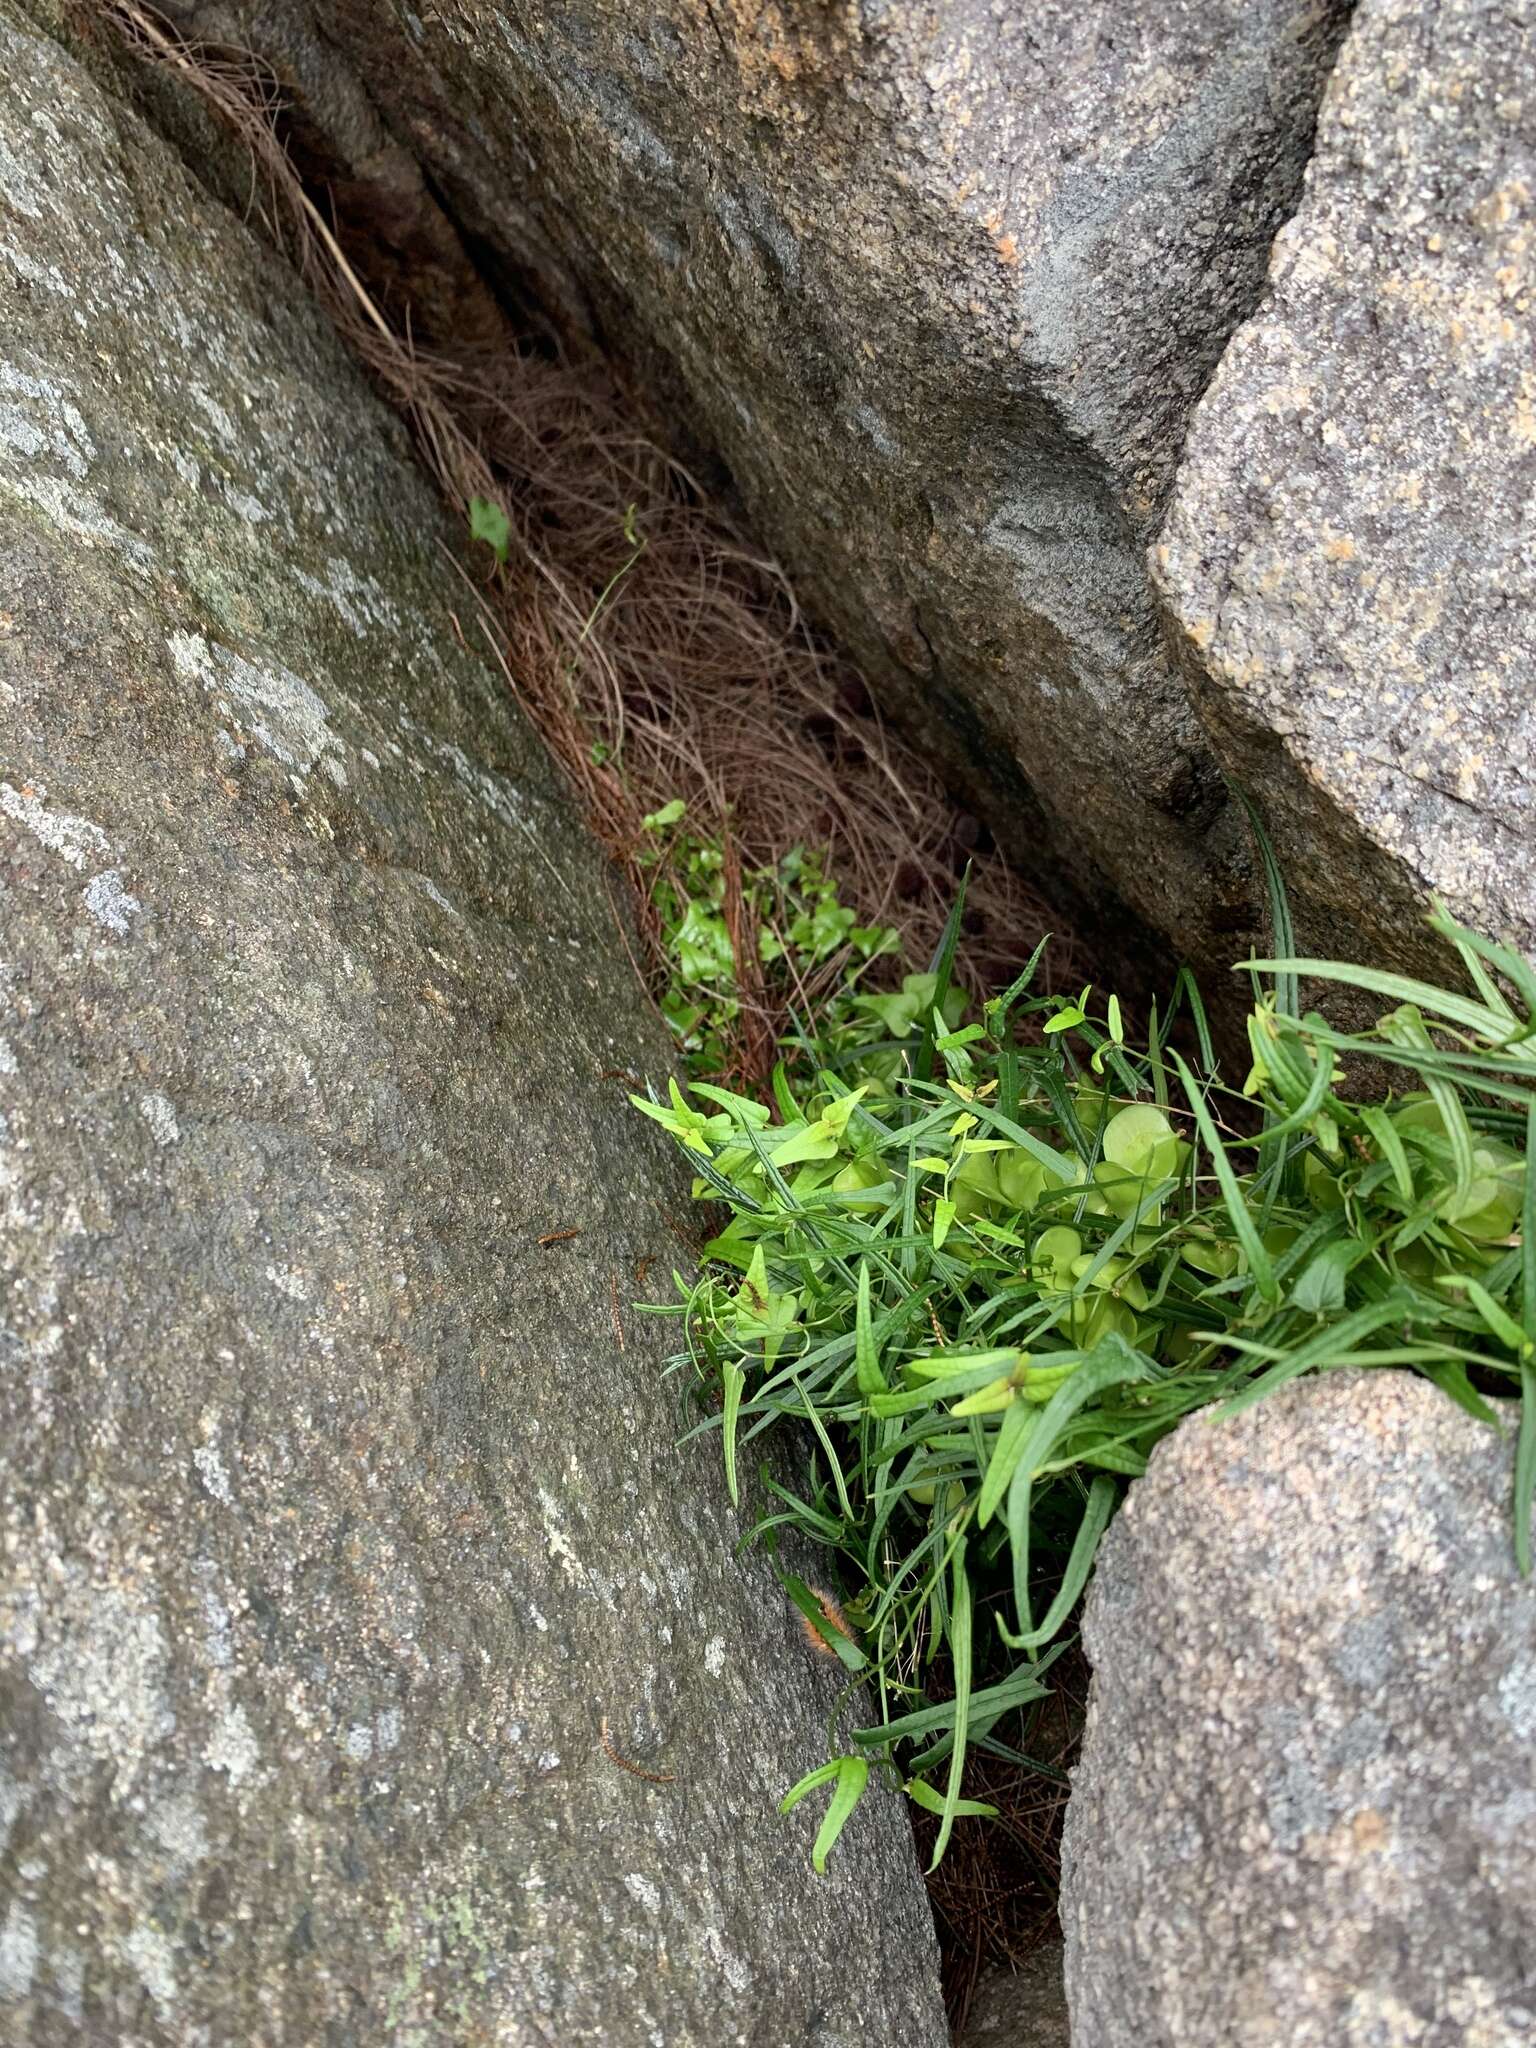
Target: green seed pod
x=1211, y=1256
x=856, y=1175
x=1095, y=1316
x=978, y=1171
x=1140, y=1141
x=1020, y=1178
x=1114, y=1277
x=1055, y=1252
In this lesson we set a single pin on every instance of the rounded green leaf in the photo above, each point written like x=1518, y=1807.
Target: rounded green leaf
x=1141, y=1141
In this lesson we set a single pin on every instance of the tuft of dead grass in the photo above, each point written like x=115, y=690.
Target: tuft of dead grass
x=658, y=654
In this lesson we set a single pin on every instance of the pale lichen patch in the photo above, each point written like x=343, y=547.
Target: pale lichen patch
x=232, y=1747
x=18, y=1953
x=110, y=903
x=279, y=708
x=75, y=840
x=159, y=1112
x=153, y=1958
x=105, y=1679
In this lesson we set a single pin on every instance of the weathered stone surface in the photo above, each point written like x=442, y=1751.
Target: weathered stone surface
x=1305, y=1815
x=1023, y=2008
x=1351, y=551
x=941, y=285
x=334, y=1517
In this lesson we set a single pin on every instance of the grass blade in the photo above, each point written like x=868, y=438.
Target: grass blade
x=1332, y=1346
x=1525, y=1445
x=1259, y=1264
x=1008, y=1444
x=865, y=1351
x=1287, y=984
x=942, y=968
x=960, y=1657
x=733, y=1380
x=1528, y=1231
x=1525, y=1468
x=1101, y=1501
x=1384, y=1134
x=1397, y=988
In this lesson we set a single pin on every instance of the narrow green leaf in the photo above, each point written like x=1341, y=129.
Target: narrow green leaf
x=1007, y=1445
x=1111, y=1363
x=1155, y=1057
x=922, y=1794
x=1450, y=1376
x=1101, y=1501
x=1528, y=1230
x=942, y=968
x=1259, y=1264
x=866, y=1353
x=1287, y=991
x=1016, y=1134
x=960, y=1660
x=834, y=1464
x=733, y=1380
x=1387, y=1142
x=783, y=1095
x=1332, y=1346
x=852, y=1777
x=1406, y=1027
x=1317, y=1093
x=1186, y=986
x=1397, y=988
x=1493, y=1313
x=1513, y=965
x=998, y=1008
x=822, y=1775
x=988, y=1705
x=1525, y=1468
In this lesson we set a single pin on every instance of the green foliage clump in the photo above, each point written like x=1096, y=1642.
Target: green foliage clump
x=981, y=1263
x=792, y=919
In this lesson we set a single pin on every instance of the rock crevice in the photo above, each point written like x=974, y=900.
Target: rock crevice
x=941, y=291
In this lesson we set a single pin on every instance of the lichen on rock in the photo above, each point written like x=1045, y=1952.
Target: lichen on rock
x=337, y=1515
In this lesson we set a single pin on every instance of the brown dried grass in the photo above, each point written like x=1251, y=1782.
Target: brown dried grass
x=676, y=665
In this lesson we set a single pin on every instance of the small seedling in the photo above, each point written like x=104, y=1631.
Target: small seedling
x=489, y=523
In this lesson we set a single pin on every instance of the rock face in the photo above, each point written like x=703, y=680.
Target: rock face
x=1306, y=1811
x=1351, y=551
x=942, y=286
x=340, y=1524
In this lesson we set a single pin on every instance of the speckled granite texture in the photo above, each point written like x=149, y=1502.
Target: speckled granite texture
x=1305, y=1815
x=940, y=285
x=1351, y=552
x=334, y=1518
